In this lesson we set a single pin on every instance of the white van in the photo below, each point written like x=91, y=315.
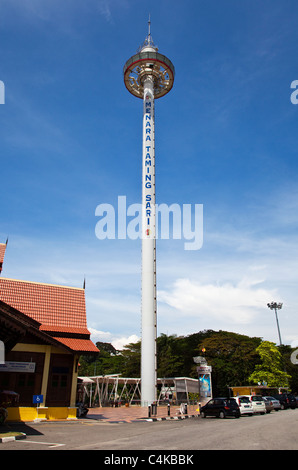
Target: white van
x=258, y=404
x=245, y=405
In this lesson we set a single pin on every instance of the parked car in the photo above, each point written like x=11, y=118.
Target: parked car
x=258, y=404
x=286, y=401
x=275, y=403
x=221, y=408
x=268, y=405
x=7, y=398
x=245, y=406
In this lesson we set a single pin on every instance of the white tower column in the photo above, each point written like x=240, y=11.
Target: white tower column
x=148, y=351
x=148, y=75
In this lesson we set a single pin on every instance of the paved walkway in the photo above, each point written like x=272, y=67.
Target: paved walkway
x=136, y=413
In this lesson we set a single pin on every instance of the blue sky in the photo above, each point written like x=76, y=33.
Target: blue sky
x=226, y=137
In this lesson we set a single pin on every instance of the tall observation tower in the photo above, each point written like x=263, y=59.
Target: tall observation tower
x=148, y=75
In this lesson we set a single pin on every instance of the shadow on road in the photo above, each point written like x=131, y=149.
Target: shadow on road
x=19, y=427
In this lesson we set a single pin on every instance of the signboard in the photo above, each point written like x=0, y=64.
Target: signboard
x=12, y=366
x=37, y=399
x=204, y=373
x=204, y=369
x=205, y=385
x=200, y=360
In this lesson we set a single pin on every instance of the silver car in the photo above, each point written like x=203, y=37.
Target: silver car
x=274, y=403
x=268, y=404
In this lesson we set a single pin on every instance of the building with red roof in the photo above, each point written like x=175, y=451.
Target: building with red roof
x=43, y=324
x=60, y=310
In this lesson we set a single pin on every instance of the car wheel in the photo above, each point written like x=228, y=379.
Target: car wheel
x=202, y=414
x=222, y=414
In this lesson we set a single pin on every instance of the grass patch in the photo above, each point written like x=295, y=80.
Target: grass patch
x=10, y=434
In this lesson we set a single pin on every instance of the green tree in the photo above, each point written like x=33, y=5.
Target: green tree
x=131, y=366
x=175, y=354
x=270, y=369
x=107, y=361
x=289, y=367
x=232, y=357
x=169, y=358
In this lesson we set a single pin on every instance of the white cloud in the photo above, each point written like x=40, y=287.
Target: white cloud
x=122, y=341
x=105, y=10
x=236, y=303
x=97, y=335
x=116, y=340
x=294, y=343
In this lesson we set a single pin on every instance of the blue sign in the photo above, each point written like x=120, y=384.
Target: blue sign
x=37, y=399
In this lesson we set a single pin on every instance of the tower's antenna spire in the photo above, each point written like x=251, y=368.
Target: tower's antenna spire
x=149, y=25
x=148, y=40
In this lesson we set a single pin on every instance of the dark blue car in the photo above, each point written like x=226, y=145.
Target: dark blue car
x=221, y=408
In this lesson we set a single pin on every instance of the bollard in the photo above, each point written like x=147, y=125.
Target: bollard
x=185, y=408
x=169, y=409
x=154, y=408
x=149, y=411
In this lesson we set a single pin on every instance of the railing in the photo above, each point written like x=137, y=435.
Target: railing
x=184, y=409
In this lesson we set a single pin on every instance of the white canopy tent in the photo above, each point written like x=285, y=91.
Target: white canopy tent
x=113, y=388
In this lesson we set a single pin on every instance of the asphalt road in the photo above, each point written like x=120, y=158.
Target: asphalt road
x=274, y=431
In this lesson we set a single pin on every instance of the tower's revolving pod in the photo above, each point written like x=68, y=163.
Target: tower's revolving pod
x=145, y=64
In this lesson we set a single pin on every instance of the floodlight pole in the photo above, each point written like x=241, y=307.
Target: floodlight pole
x=276, y=306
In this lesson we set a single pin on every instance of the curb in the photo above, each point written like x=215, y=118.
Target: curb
x=13, y=438
x=168, y=418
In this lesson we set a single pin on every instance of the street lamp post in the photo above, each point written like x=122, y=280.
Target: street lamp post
x=276, y=306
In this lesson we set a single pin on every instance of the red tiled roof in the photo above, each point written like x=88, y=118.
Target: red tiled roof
x=17, y=324
x=59, y=309
x=79, y=345
x=49, y=304
x=53, y=329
